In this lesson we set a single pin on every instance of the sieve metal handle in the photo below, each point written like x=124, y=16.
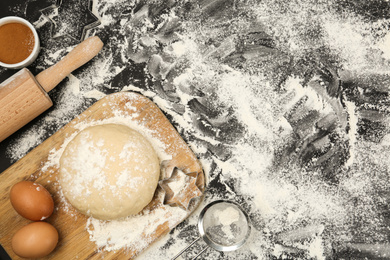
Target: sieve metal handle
x=201, y=252
x=182, y=251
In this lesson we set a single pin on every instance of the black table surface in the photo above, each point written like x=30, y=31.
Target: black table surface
x=221, y=124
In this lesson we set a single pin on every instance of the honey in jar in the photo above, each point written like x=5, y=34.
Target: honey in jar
x=16, y=42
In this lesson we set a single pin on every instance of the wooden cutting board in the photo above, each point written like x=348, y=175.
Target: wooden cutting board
x=74, y=240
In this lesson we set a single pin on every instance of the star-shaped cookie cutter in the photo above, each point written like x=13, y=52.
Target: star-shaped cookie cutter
x=179, y=188
x=55, y=15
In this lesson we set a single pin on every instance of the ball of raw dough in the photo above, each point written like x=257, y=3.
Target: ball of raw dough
x=109, y=171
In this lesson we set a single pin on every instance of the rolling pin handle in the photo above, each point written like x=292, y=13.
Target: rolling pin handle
x=80, y=55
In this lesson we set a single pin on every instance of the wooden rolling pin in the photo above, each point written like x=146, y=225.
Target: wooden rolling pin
x=23, y=97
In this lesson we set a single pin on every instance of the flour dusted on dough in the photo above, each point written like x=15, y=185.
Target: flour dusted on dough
x=109, y=171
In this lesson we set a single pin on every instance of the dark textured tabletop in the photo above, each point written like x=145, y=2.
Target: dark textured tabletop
x=285, y=103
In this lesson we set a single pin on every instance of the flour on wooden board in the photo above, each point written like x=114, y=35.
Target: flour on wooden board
x=130, y=233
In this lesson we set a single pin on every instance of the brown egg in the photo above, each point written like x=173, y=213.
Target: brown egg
x=31, y=200
x=37, y=239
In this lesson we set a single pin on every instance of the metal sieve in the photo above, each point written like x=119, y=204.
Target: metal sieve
x=223, y=225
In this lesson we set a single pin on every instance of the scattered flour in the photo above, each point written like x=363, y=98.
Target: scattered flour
x=279, y=199
x=132, y=233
